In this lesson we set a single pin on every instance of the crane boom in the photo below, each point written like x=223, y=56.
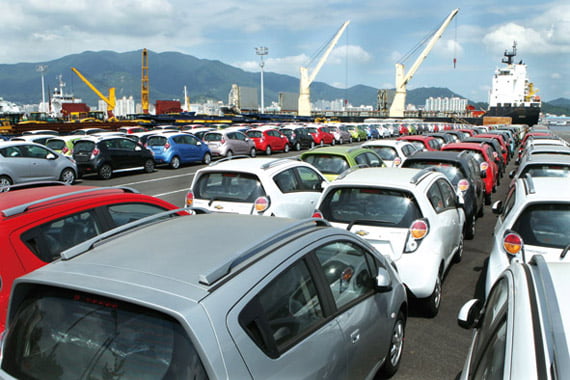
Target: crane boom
x=144, y=82
x=109, y=100
x=402, y=79
x=306, y=79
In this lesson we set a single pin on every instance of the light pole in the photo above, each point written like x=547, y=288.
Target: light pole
x=42, y=69
x=261, y=51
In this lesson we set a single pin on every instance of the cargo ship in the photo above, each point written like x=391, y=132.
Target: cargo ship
x=512, y=94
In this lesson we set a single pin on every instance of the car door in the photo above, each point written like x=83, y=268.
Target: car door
x=451, y=218
x=15, y=164
x=41, y=163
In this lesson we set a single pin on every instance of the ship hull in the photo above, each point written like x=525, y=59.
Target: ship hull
x=519, y=115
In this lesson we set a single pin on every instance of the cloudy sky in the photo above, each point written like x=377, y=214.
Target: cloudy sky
x=381, y=33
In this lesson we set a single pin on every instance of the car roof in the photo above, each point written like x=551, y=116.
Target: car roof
x=544, y=189
x=440, y=156
x=547, y=159
x=253, y=164
x=387, y=142
x=404, y=178
x=337, y=149
x=187, y=261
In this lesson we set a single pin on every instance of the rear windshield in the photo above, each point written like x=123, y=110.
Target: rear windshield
x=83, y=146
x=228, y=186
x=156, y=141
x=370, y=206
x=63, y=334
x=545, y=225
x=55, y=144
x=547, y=170
x=387, y=153
x=254, y=134
x=451, y=171
x=212, y=137
x=327, y=163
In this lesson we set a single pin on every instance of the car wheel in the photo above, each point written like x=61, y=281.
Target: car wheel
x=470, y=228
x=252, y=152
x=487, y=199
x=394, y=357
x=106, y=171
x=312, y=144
x=268, y=151
x=67, y=176
x=298, y=146
x=149, y=166
x=322, y=143
x=333, y=142
x=350, y=140
x=286, y=149
x=459, y=254
x=229, y=153
x=207, y=159
x=481, y=211
x=175, y=162
x=5, y=181
x=431, y=303
x=358, y=139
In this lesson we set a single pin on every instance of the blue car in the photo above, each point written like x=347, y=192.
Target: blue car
x=372, y=132
x=175, y=149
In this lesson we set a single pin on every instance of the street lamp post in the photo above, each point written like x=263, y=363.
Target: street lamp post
x=42, y=69
x=261, y=51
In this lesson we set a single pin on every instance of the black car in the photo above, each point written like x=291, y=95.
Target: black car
x=108, y=155
x=298, y=136
x=463, y=172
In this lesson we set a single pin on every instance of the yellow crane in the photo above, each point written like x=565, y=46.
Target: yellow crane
x=110, y=100
x=144, y=82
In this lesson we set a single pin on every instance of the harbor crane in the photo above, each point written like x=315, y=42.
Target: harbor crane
x=402, y=79
x=110, y=100
x=144, y=82
x=306, y=78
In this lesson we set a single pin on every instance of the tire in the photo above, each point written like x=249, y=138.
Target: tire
x=459, y=254
x=470, y=228
x=5, y=181
x=149, y=166
x=268, y=151
x=105, y=171
x=286, y=149
x=340, y=141
x=252, y=152
x=229, y=153
x=487, y=199
x=297, y=146
x=207, y=159
x=175, y=162
x=481, y=212
x=350, y=141
x=322, y=143
x=394, y=357
x=68, y=176
x=432, y=303
x=312, y=144
x=333, y=142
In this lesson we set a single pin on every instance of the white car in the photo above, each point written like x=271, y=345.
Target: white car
x=533, y=220
x=523, y=329
x=412, y=216
x=543, y=165
x=393, y=152
x=258, y=186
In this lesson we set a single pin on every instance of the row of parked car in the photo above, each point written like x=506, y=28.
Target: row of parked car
x=252, y=301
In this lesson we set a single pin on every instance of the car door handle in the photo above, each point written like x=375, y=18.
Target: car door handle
x=355, y=336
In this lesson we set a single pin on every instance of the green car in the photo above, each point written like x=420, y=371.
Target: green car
x=63, y=144
x=357, y=132
x=332, y=161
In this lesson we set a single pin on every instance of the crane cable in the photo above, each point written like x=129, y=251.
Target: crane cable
x=455, y=45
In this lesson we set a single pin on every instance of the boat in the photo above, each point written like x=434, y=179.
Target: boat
x=512, y=94
x=59, y=99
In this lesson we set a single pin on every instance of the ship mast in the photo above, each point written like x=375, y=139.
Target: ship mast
x=510, y=54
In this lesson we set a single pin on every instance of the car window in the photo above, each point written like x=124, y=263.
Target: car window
x=12, y=151
x=327, y=164
x=373, y=160
x=48, y=240
x=34, y=151
x=254, y=134
x=310, y=180
x=83, y=146
x=124, y=213
x=239, y=136
x=436, y=198
x=509, y=202
x=347, y=272
x=451, y=170
x=371, y=206
x=546, y=170
x=545, y=225
x=55, y=144
x=118, y=339
x=284, y=311
x=213, y=137
x=156, y=141
x=286, y=181
x=447, y=193
x=386, y=152
x=228, y=186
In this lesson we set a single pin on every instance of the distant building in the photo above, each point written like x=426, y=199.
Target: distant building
x=439, y=104
x=125, y=106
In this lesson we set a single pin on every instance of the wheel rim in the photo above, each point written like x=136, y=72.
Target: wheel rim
x=175, y=163
x=268, y=150
x=397, y=345
x=4, y=183
x=207, y=158
x=68, y=176
x=106, y=171
x=286, y=149
x=298, y=146
x=437, y=293
x=229, y=154
x=252, y=152
x=149, y=166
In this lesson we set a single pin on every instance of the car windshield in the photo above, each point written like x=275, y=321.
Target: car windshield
x=228, y=186
x=85, y=336
x=370, y=206
x=544, y=225
x=156, y=141
x=84, y=146
x=55, y=144
x=327, y=163
x=546, y=170
x=254, y=134
x=312, y=130
x=386, y=152
x=213, y=137
x=452, y=172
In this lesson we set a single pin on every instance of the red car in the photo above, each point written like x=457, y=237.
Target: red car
x=487, y=164
x=429, y=143
x=540, y=135
x=504, y=147
x=321, y=135
x=268, y=140
x=38, y=223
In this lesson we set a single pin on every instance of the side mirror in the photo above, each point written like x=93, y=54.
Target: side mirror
x=199, y=143
x=497, y=207
x=470, y=314
x=138, y=148
x=51, y=156
x=383, y=280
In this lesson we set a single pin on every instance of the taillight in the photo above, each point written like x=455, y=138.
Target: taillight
x=64, y=150
x=463, y=185
x=419, y=229
x=166, y=146
x=317, y=214
x=261, y=204
x=512, y=243
x=95, y=152
x=495, y=155
x=484, y=166
x=189, y=198
x=222, y=141
x=397, y=161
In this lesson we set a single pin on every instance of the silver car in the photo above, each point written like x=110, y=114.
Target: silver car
x=22, y=162
x=227, y=143
x=217, y=296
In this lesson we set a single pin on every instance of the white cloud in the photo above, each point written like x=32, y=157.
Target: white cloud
x=285, y=65
x=353, y=53
x=555, y=76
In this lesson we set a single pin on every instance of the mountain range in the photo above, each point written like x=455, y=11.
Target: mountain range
x=169, y=72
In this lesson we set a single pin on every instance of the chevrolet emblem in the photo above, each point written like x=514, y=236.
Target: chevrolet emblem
x=218, y=207
x=361, y=233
